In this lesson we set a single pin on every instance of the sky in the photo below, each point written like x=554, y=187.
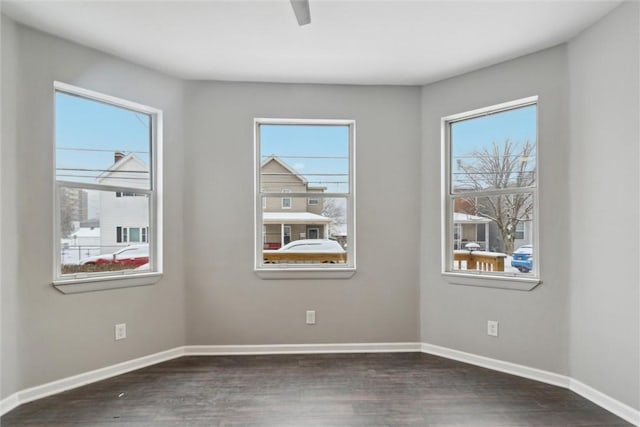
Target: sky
x=319, y=153
x=88, y=133
x=519, y=125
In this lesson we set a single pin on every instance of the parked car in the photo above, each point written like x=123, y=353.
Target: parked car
x=130, y=256
x=523, y=258
x=313, y=245
x=307, y=251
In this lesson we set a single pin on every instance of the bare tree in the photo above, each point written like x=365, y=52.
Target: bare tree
x=66, y=217
x=334, y=209
x=509, y=165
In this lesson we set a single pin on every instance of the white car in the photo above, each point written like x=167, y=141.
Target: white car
x=131, y=256
x=313, y=245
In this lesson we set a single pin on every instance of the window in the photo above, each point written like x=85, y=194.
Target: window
x=131, y=234
x=128, y=194
x=299, y=157
x=107, y=192
x=286, y=201
x=491, y=193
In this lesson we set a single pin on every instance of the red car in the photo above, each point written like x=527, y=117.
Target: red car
x=131, y=256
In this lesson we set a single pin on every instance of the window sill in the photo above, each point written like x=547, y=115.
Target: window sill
x=306, y=273
x=487, y=281
x=91, y=284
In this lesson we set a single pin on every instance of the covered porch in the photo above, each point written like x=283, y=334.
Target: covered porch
x=469, y=228
x=280, y=228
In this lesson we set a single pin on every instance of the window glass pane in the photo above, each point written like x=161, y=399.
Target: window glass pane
x=304, y=158
x=304, y=234
x=100, y=143
x=494, y=151
x=134, y=234
x=91, y=222
x=484, y=233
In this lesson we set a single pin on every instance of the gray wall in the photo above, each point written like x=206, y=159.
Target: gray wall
x=227, y=302
x=533, y=325
x=9, y=360
x=603, y=249
x=56, y=335
x=585, y=313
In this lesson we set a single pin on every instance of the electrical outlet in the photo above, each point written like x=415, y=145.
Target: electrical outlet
x=121, y=331
x=492, y=328
x=311, y=317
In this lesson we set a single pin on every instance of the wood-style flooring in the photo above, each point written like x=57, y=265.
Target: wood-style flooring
x=383, y=389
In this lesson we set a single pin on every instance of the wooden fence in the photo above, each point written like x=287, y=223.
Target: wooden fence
x=303, y=257
x=478, y=260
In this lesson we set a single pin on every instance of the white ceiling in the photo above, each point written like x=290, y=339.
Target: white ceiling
x=348, y=41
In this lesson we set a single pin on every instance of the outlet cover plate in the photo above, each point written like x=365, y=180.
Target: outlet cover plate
x=311, y=317
x=492, y=328
x=120, y=331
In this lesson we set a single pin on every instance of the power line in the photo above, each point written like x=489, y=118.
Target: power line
x=100, y=150
x=100, y=170
x=303, y=174
x=96, y=176
x=306, y=157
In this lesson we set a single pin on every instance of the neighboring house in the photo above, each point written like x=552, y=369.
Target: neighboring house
x=523, y=234
x=290, y=218
x=124, y=216
x=470, y=228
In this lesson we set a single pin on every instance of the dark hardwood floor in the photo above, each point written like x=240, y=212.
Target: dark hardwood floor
x=390, y=389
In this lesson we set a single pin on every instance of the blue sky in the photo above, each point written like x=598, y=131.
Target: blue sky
x=312, y=151
x=518, y=125
x=83, y=125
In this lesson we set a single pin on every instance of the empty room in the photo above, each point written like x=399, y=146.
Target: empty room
x=320, y=213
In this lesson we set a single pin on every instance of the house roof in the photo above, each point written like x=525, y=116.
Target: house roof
x=294, y=218
x=463, y=218
x=87, y=232
x=116, y=167
x=284, y=165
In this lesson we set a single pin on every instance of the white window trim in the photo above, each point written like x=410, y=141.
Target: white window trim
x=323, y=271
x=509, y=281
x=87, y=282
x=315, y=200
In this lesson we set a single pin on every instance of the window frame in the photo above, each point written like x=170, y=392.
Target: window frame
x=288, y=199
x=85, y=282
x=511, y=281
x=290, y=271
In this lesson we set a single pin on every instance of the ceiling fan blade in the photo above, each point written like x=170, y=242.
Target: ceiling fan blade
x=301, y=9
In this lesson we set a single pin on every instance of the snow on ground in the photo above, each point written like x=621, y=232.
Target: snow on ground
x=73, y=254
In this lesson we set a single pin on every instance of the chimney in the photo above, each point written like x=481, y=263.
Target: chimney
x=117, y=156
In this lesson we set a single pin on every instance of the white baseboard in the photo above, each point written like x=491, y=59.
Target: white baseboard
x=9, y=403
x=618, y=408
x=221, y=350
x=612, y=405
x=44, y=390
x=498, y=365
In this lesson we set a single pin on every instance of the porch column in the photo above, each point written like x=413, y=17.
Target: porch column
x=282, y=235
x=326, y=231
x=486, y=236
